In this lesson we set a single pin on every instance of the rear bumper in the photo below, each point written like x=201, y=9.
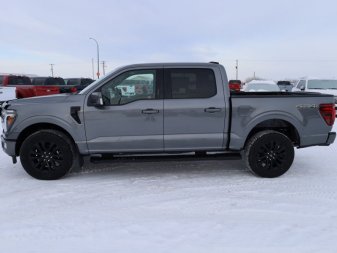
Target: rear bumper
x=331, y=138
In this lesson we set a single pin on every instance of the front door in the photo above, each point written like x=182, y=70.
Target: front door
x=131, y=119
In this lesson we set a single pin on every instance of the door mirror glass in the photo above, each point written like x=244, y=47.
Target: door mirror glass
x=95, y=99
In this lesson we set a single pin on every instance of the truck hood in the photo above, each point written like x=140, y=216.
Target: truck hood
x=59, y=98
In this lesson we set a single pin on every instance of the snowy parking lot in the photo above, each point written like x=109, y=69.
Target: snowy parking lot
x=198, y=206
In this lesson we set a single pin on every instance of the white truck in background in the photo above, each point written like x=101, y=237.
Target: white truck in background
x=7, y=93
x=321, y=85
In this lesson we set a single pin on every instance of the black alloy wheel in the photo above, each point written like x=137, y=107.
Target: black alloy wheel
x=47, y=154
x=269, y=153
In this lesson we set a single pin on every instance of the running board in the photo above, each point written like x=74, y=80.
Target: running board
x=163, y=158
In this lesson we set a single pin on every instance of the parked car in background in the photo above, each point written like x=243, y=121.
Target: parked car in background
x=79, y=83
x=234, y=85
x=7, y=93
x=54, y=81
x=285, y=85
x=325, y=86
x=25, y=88
x=261, y=85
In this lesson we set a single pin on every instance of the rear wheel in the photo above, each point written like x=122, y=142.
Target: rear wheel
x=269, y=154
x=47, y=154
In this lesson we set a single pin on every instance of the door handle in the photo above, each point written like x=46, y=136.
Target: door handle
x=212, y=109
x=150, y=111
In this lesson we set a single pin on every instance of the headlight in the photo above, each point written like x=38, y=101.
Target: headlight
x=7, y=119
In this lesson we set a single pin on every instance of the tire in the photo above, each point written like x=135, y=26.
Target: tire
x=269, y=154
x=47, y=154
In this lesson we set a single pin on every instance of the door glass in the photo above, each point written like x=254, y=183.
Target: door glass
x=129, y=87
x=190, y=83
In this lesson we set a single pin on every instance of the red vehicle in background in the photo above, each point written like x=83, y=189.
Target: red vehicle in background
x=25, y=88
x=234, y=85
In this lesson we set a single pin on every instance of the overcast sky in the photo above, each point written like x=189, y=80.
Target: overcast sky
x=276, y=39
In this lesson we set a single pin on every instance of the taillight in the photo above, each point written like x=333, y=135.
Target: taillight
x=328, y=113
x=73, y=89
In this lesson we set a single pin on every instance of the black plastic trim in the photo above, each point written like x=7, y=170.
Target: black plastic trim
x=74, y=113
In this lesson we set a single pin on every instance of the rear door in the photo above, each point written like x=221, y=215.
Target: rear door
x=194, y=109
x=132, y=117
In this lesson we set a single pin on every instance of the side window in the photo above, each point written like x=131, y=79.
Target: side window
x=1, y=79
x=189, y=83
x=38, y=81
x=130, y=86
x=301, y=84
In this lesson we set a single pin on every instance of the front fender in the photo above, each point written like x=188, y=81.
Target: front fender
x=68, y=124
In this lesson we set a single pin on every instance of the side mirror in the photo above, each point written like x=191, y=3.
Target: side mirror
x=95, y=99
x=302, y=88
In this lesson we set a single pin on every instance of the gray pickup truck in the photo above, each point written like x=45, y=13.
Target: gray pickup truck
x=165, y=108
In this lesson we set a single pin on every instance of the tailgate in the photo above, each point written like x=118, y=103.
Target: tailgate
x=46, y=90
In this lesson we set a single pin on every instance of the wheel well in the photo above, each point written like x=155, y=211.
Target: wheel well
x=36, y=127
x=279, y=125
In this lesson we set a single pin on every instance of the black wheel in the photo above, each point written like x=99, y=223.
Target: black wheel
x=269, y=154
x=47, y=154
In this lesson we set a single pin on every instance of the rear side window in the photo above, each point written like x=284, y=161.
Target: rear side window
x=39, y=81
x=55, y=81
x=86, y=81
x=73, y=81
x=1, y=79
x=189, y=83
x=19, y=80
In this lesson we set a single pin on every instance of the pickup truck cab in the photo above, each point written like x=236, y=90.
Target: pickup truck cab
x=165, y=108
x=53, y=82
x=25, y=88
x=78, y=83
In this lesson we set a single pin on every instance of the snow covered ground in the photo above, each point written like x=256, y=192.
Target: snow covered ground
x=205, y=206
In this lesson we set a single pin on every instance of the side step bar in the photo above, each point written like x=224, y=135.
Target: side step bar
x=164, y=158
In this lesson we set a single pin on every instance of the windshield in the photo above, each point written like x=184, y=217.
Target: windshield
x=322, y=84
x=262, y=87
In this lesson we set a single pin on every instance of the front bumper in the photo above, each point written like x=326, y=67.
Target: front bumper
x=8, y=146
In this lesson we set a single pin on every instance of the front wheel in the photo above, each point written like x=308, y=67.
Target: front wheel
x=47, y=154
x=269, y=154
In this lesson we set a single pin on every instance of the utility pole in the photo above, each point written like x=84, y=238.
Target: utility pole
x=103, y=67
x=93, y=68
x=254, y=75
x=237, y=69
x=52, y=69
x=98, y=74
